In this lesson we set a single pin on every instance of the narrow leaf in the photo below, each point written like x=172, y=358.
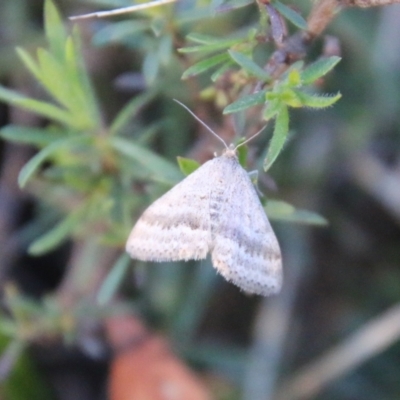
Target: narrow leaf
x=30, y=63
x=116, y=32
x=150, y=67
x=55, y=31
x=165, y=49
x=272, y=108
x=160, y=169
x=39, y=107
x=187, y=165
x=296, y=66
x=278, y=207
x=282, y=211
x=205, y=65
x=219, y=44
x=249, y=65
x=202, y=39
x=21, y=134
x=158, y=25
x=113, y=280
x=242, y=153
x=233, y=5
x=129, y=110
x=34, y=163
x=144, y=136
x=55, y=80
x=315, y=101
x=58, y=234
x=246, y=102
x=319, y=68
x=10, y=357
x=307, y=217
x=85, y=86
x=291, y=15
x=221, y=70
x=278, y=138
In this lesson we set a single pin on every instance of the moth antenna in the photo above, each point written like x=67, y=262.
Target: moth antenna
x=203, y=123
x=250, y=138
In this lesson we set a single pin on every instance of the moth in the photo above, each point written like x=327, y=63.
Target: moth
x=215, y=210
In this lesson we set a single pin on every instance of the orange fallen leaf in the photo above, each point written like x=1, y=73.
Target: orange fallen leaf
x=144, y=367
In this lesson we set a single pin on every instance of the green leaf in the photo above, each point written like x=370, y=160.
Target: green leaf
x=187, y=165
x=55, y=31
x=319, y=68
x=10, y=356
x=93, y=115
x=113, y=280
x=115, y=32
x=62, y=81
x=315, y=101
x=165, y=49
x=129, y=110
x=145, y=135
x=208, y=48
x=8, y=327
x=276, y=208
x=30, y=63
x=24, y=380
x=56, y=81
x=34, y=163
x=150, y=67
x=282, y=211
x=160, y=169
x=272, y=108
x=233, y=5
x=58, y=234
x=278, y=138
x=242, y=152
x=249, y=65
x=35, y=136
x=221, y=70
x=39, y=107
x=202, y=39
x=296, y=66
x=158, y=25
x=245, y=102
x=205, y=65
x=290, y=97
x=291, y=15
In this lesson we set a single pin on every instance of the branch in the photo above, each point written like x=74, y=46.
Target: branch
x=371, y=339
x=367, y=3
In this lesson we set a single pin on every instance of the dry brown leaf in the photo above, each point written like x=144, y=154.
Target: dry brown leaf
x=144, y=368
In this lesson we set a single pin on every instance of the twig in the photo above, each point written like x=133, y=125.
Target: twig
x=296, y=46
x=371, y=339
x=123, y=10
x=368, y=3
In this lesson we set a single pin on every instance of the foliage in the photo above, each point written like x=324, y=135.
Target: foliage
x=88, y=160
x=98, y=174
x=84, y=153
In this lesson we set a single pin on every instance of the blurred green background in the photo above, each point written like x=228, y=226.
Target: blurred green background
x=333, y=331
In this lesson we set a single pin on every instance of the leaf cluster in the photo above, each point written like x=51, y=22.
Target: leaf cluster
x=81, y=167
x=274, y=94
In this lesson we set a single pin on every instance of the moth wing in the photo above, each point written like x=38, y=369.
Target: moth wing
x=177, y=225
x=245, y=249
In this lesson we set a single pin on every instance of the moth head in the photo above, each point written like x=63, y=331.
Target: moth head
x=230, y=151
